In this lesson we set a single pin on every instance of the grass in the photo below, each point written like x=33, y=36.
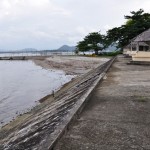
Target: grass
x=140, y=99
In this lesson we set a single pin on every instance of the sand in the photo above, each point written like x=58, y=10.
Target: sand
x=72, y=65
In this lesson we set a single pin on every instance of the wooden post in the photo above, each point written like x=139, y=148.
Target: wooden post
x=53, y=93
x=137, y=46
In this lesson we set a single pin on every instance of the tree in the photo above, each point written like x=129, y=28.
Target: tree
x=93, y=41
x=136, y=23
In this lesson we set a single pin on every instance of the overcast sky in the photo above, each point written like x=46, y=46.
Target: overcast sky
x=48, y=24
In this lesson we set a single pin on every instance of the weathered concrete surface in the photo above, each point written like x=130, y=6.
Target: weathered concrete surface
x=117, y=116
x=43, y=126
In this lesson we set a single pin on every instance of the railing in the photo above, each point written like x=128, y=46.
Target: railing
x=35, y=53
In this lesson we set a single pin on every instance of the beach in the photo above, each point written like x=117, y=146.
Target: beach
x=73, y=65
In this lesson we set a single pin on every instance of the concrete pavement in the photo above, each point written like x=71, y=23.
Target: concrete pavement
x=117, y=116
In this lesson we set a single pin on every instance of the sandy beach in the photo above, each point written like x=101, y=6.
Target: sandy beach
x=71, y=65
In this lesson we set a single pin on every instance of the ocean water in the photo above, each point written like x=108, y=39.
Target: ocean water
x=22, y=84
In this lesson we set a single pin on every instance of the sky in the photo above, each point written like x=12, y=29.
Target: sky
x=49, y=24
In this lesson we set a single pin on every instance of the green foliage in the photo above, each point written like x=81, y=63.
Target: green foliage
x=135, y=24
x=129, y=22
x=76, y=51
x=82, y=46
x=93, y=41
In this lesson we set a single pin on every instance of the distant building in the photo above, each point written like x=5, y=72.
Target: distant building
x=131, y=49
x=139, y=48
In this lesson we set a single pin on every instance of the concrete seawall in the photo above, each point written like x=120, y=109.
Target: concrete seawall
x=13, y=58
x=78, y=108
x=117, y=115
x=46, y=127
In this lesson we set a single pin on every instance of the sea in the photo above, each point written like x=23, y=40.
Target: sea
x=22, y=84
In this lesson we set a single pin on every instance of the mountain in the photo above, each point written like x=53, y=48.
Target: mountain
x=111, y=48
x=66, y=48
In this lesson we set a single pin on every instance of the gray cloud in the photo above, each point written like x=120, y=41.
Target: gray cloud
x=48, y=24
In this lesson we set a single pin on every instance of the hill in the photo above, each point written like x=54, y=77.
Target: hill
x=66, y=48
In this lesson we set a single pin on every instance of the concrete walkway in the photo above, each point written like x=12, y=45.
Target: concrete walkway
x=117, y=117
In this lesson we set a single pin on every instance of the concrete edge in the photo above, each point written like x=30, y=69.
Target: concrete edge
x=75, y=112
x=146, y=63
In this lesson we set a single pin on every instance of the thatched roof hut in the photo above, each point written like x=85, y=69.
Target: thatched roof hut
x=143, y=37
x=142, y=44
x=139, y=43
x=134, y=44
x=142, y=41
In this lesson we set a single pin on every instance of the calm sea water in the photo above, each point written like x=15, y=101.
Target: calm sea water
x=22, y=83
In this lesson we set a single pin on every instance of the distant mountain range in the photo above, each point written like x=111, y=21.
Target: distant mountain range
x=111, y=48
x=62, y=48
x=66, y=48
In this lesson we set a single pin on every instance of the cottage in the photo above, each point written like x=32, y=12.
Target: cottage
x=139, y=48
x=131, y=49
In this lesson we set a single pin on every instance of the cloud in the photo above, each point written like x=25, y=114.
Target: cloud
x=24, y=20
x=46, y=24
x=84, y=30
x=16, y=9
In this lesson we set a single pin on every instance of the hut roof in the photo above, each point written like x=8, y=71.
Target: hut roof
x=134, y=44
x=144, y=36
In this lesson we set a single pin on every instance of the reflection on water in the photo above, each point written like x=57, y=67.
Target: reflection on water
x=22, y=83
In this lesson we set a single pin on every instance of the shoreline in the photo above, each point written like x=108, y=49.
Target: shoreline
x=47, y=100
x=71, y=65
x=71, y=70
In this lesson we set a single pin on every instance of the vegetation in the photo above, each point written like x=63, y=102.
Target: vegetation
x=135, y=24
x=93, y=41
